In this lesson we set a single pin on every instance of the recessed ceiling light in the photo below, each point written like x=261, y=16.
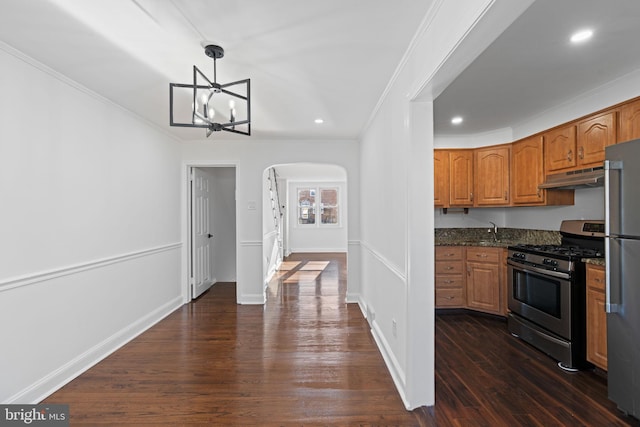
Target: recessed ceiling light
x=581, y=36
x=456, y=120
x=319, y=121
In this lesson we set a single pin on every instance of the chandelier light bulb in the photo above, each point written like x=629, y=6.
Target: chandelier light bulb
x=232, y=104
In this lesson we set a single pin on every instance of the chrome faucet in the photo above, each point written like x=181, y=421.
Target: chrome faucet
x=494, y=231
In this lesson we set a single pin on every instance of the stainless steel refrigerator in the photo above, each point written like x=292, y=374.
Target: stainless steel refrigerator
x=622, y=251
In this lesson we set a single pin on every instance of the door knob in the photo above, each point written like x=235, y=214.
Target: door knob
x=209, y=235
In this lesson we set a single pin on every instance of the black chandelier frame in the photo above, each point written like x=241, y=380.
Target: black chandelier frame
x=214, y=52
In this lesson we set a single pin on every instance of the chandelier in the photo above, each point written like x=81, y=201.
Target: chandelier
x=211, y=105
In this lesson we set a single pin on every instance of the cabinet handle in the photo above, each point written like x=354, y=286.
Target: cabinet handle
x=599, y=280
x=447, y=281
x=448, y=297
x=538, y=192
x=482, y=255
x=506, y=196
x=570, y=155
x=468, y=271
x=471, y=196
x=581, y=153
x=449, y=254
x=448, y=268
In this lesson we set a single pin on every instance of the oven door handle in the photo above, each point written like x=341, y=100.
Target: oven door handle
x=542, y=271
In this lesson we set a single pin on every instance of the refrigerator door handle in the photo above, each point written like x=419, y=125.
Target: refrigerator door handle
x=612, y=197
x=612, y=245
x=612, y=275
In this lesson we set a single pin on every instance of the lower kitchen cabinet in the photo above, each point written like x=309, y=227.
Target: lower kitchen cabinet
x=484, y=276
x=471, y=277
x=450, y=277
x=596, y=316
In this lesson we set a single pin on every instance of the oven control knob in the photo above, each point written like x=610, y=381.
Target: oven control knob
x=519, y=255
x=551, y=262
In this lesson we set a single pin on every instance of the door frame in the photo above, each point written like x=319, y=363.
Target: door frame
x=188, y=220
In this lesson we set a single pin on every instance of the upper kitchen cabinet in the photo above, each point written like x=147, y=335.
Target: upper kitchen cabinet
x=491, y=182
x=629, y=121
x=527, y=171
x=580, y=145
x=560, y=149
x=461, y=178
x=594, y=134
x=441, y=178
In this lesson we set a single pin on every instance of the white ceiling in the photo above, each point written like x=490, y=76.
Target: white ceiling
x=330, y=59
x=533, y=67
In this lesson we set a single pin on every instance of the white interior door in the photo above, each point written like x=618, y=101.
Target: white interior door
x=201, y=236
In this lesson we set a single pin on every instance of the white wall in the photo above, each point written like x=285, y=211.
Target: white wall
x=317, y=237
x=90, y=242
x=223, y=222
x=251, y=158
x=396, y=199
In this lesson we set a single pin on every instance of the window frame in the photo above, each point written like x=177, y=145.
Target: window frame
x=317, y=188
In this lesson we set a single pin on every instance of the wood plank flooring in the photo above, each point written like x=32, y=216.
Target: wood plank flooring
x=307, y=358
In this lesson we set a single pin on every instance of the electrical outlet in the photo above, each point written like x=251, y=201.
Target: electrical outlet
x=394, y=328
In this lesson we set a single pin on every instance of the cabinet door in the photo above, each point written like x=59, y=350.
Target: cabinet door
x=527, y=171
x=560, y=149
x=594, y=135
x=629, y=122
x=483, y=286
x=492, y=176
x=596, y=317
x=441, y=178
x=461, y=178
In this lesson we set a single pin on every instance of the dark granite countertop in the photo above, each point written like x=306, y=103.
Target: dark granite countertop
x=484, y=237
x=594, y=261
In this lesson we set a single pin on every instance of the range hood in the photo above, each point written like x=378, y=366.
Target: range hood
x=584, y=178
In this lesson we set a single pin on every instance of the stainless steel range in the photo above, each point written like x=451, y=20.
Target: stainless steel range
x=547, y=292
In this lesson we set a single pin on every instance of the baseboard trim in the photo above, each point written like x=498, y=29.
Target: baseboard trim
x=252, y=299
x=75, y=367
x=397, y=374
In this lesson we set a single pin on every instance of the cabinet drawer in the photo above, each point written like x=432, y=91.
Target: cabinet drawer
x=596, y=277
x=449, y=267
x=450, y=298
x=483, y=254
x=446, y=281
x=446, y=253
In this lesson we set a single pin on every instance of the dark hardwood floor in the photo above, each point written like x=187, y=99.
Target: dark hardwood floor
x=307, y=358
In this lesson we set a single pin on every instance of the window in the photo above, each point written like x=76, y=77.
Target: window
x=306, y=205
x=327, y=208
x=329, y=205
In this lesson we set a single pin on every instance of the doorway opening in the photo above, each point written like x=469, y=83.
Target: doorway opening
x=212, y=227
x=304, y=214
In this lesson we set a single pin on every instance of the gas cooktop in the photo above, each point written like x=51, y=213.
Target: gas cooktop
x=559, y=251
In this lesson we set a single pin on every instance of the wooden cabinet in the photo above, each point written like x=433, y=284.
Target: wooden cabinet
x=629, y=121
x=484, y=279
x=491, y=179
x=594, y=134
x=441, y=178
x=450, y=277
x=596, y=317
x=527, y=171
x=560, y=149
x=581, y=145
x=461, y=178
